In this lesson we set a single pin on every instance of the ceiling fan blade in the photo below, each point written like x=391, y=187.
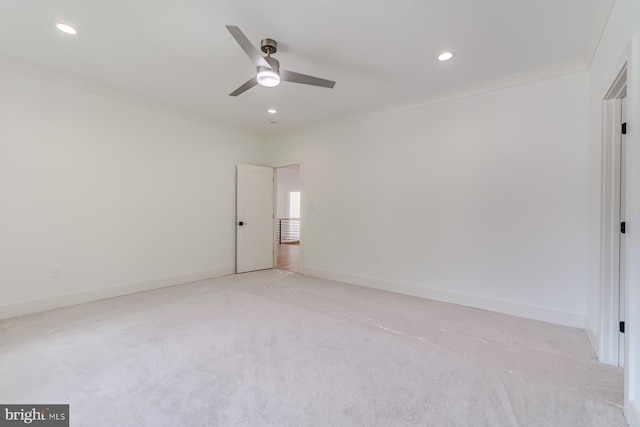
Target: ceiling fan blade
x=248, y=48
x=245, y=87
x=290, y=76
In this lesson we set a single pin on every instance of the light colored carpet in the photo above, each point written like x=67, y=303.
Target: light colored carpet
x=274, y=348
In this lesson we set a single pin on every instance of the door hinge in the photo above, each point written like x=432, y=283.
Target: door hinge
x=622, y=327
x=624, y=128
x=623, y=227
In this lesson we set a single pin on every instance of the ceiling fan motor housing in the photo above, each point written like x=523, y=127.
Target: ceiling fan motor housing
x=275, y=64
x=269, y=46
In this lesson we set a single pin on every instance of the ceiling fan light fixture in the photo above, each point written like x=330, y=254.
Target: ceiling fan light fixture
x=268, y=77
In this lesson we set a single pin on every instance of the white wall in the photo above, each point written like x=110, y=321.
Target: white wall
x=479, y=200
x=119, y=197
x=619, y=43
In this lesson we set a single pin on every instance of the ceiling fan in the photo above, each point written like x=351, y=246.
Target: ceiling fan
x=269, y=72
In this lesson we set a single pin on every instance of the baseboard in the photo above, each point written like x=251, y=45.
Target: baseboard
x=35, y=306
x=634, y=415
x=592, y=336
x=575, y=320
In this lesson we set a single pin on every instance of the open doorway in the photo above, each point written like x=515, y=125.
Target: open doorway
x=287, y=218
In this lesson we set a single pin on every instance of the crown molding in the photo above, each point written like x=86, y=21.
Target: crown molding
x=528, y=76
x=604, y=8
x=517, y=79
x=39, y=72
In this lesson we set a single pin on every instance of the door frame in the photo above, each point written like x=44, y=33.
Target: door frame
x=302, y=210
x=610, y=220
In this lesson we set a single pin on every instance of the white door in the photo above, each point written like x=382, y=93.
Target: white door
x=254, y=218
x=622, y=242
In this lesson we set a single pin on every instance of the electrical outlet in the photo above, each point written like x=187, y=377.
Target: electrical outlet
x=56, y=271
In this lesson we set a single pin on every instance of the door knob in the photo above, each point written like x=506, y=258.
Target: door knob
x=241, y=223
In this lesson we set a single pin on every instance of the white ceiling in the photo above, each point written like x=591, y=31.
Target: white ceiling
x=178, y=56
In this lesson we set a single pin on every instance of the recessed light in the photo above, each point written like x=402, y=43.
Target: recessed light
x=445, y=56
x=271, y=111
x=66, y=28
